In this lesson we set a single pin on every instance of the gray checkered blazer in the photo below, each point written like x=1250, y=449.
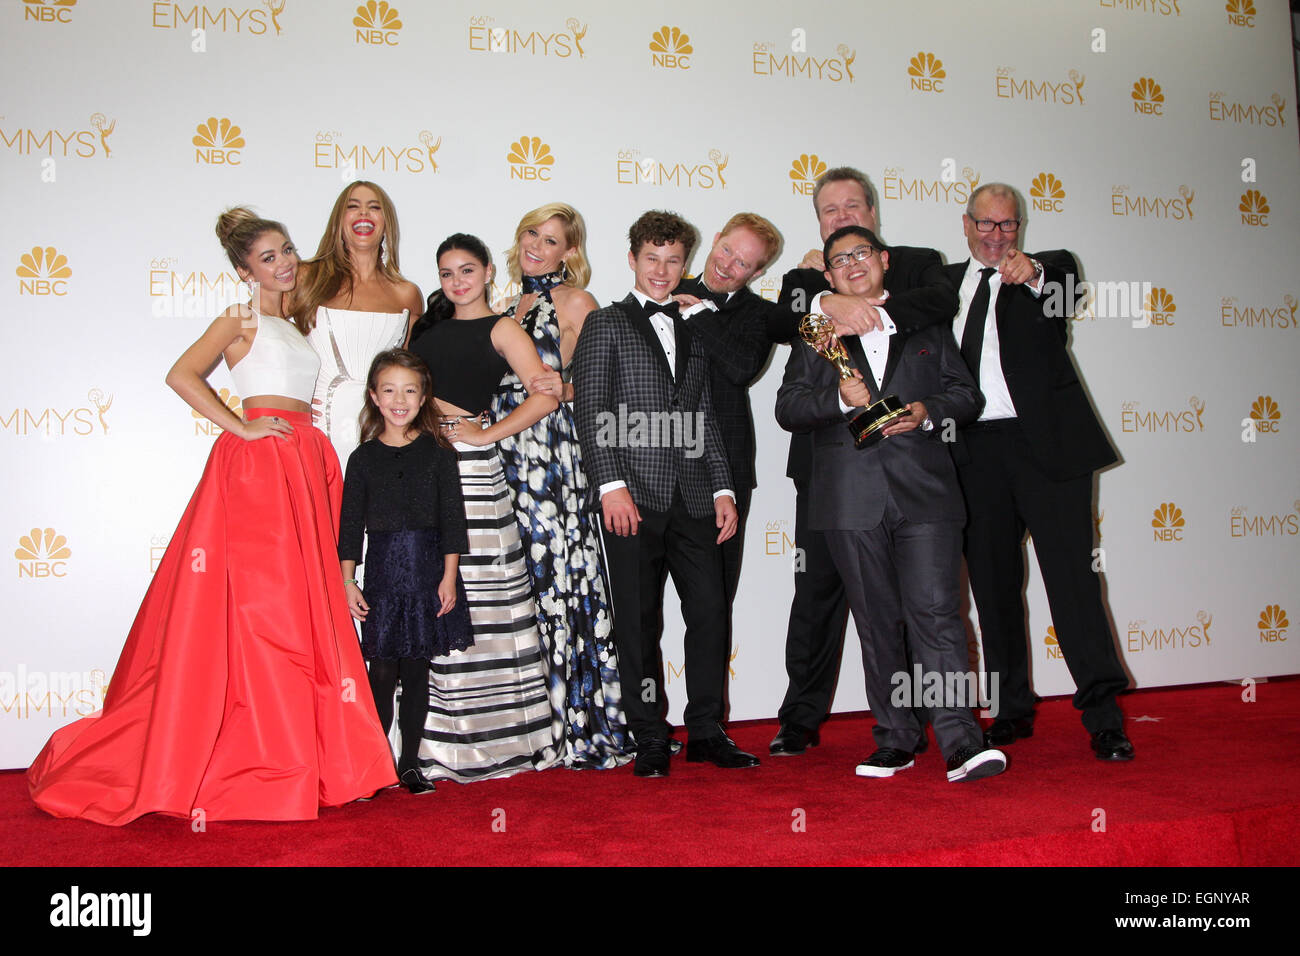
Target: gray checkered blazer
x=621, y=378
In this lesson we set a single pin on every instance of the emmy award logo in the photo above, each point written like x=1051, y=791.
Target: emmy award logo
x=276, y=9
x=720, y=163
x=431, y=147
x=102, y=405
x=819, y=332
x=98, y=120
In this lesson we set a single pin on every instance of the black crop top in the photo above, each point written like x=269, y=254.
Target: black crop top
x=466, y=367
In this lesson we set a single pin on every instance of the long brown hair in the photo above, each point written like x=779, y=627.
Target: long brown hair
x=425, y=421
x=327, y=273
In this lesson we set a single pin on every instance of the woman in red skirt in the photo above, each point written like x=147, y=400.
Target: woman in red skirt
x=241, y=693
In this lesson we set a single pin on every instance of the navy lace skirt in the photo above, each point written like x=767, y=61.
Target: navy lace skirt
x=403, y=570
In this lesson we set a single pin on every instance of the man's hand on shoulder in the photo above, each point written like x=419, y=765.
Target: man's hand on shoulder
x=813, y=259
x=852, y=314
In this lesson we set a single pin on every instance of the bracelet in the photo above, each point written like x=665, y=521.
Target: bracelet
x=351, y=581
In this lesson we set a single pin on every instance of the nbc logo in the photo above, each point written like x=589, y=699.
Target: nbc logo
x=377, y=23
x=1241, y=13
x=42, y=554
x=671, y=49
x=218, y=142
x=1159, y=307
x=1167, y=523
x=1272, y=624
x=1266, y=415
x=1148, y=97
x=926, y=73
x=804, y=172
x=1254, y=208
x=204, y=427
x=530, y=158
x=1052, y=644
x=48, y=11
x=1047, y=193
x=43, y=272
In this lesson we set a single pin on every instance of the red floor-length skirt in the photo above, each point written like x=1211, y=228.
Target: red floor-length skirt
x=241, y=693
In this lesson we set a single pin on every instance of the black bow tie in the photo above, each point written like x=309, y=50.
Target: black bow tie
x=652, y=308
x=705, y=294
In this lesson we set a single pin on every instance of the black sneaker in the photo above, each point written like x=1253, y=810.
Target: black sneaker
x=971, y=763
x=413, y=781
x=885, y=762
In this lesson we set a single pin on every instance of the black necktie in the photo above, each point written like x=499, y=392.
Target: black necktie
x=972, y=337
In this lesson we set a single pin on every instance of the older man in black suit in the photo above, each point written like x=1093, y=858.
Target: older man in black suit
x=655, y=461
x=892, y=516
x=920, y=296
x=1028, y=464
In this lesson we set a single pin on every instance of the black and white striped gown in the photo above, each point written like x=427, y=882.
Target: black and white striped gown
x=489, y=715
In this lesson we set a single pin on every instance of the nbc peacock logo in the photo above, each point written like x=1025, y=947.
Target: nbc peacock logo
x=530, y=159
x=1241, y=13
x=218, y=142
x=804, y=173
x=1167, y=522
x=1158, y=306
x=1148, y=97
x=42, y=554
x=1047, y=193
x=377, y=24
x=1266, y=415
x=48, y=11
x=671, y=49
x=1253, y=208
x=1272, y=624
x=1052, y=644
x=926, y=73
x=43, y=271
x=210, y=429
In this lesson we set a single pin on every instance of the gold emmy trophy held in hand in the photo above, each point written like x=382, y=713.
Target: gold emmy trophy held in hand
x=819, y=332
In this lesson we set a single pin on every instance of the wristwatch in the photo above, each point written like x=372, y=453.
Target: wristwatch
x=927, y=425
x=1038, y=272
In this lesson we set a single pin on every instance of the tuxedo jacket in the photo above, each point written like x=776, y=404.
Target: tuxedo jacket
x=626, y=401
x=736, y=343
x=920, y=295
x=1053, y=409
x=848, y=485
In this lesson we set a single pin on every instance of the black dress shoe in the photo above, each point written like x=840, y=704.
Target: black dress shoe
x=792, y=739
x=1004, y=732
x=1112, y=745
x=652, y=758
x=720, y=751
x=413, y=781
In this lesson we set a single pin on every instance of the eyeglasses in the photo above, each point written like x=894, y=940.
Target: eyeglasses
x=860, y=254
x=1004, y=225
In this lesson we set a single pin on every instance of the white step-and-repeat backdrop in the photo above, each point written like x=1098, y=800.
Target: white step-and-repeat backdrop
x=1154, y=138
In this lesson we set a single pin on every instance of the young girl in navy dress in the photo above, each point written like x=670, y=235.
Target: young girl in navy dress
x=402, y=489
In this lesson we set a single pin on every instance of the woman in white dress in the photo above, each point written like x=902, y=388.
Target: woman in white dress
x=353, y=303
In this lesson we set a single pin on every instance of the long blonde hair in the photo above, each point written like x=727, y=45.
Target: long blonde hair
x=575, y=234
x=325, y=275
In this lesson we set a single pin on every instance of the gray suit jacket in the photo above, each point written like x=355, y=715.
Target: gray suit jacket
x=848, y=485
x=638, y=421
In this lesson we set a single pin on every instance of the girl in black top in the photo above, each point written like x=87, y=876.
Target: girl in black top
x=403, y=490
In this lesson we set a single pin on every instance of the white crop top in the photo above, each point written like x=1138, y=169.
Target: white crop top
x=279, y=362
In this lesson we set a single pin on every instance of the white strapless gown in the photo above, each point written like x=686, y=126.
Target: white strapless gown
x=347, y=342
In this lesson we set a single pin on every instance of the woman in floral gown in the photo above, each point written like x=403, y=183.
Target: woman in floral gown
x=543, y=466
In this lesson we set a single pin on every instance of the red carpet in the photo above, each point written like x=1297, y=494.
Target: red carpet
x=1216, y=782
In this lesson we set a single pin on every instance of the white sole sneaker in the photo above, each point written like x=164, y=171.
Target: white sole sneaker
x=864, y=770
x=986, y=763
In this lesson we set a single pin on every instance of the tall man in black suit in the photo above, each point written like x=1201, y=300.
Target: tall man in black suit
x=892, y=516
x=920, y=295
x=731, y=322
x=659, y=475
x=1028, y=464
